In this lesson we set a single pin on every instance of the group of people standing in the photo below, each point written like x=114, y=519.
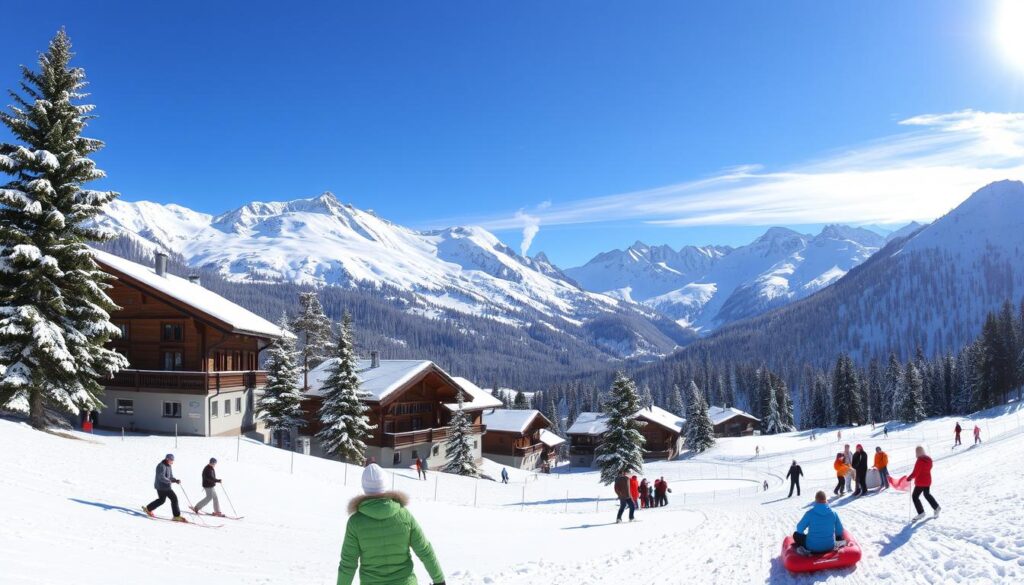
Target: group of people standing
x=634, y=494
x=852, y=470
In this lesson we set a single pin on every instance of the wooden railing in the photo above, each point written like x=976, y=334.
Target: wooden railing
x=527, y=451
x=396, y=440
x=186, y=382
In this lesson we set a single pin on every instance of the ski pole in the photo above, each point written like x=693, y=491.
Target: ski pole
x=190, y=506
x=225, y=490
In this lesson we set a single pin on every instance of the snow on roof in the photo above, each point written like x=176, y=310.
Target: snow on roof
x=589, y=423
x=239, y=319
x=664, y=418
x=511, y=421
x=479, y=398
x=595, y=423
x=719, y=415
x=550, y=439
x=377, y=383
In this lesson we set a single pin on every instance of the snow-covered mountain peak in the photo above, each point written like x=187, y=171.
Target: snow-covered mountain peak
x=859, y=235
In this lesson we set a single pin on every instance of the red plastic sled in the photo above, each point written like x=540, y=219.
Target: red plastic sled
x=844, y=557
x=902, y=484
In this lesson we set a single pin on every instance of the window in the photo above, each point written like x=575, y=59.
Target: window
x=227, y=407
x=123, y=329
x=397, y=458
x=238, y=405
x=174, y=361
x=213, y=408
x=125, y=406
x=417, y=424
x=415, y=454
x=389, y=427
x=172, y=410
x=171, y=332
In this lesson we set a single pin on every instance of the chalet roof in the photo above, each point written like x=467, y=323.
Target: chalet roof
x=512, y=421
x=230, y=315
x=392, y=375
x=719, y=415
x=550, y=439
x=596, y=423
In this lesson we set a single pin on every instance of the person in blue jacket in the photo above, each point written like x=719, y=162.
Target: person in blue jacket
x=822, y=527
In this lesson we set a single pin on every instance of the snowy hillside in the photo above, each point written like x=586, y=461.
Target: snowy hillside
x=320, y=241
x=707, y=287
x=74, y=515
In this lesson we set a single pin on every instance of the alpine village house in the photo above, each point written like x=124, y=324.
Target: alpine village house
x=193, y=355
x=662, y=431
x=520, y=438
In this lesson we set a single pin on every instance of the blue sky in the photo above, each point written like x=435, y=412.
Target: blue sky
x=598, y=123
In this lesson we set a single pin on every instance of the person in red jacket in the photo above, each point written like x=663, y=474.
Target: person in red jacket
x=922, y=478
x=644, y=503
x=957, y=431
x=634, y=491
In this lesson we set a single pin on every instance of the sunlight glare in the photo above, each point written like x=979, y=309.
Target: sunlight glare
x=1010, y=31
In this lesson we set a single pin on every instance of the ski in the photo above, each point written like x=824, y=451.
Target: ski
x=155, y=517
x=225, y=516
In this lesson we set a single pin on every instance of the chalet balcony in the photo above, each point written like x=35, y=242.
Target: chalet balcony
x=200, y=383
x=527, y=451
x=398, y=440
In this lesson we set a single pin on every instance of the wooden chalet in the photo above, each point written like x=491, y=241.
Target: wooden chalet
x=662, y=430
x=411, y=404
x=732, y=422
x=520, y=438
x=193, y=355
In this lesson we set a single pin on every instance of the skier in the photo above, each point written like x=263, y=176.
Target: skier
x=504, y=475
x=885, y=431
x=860, y=466
x=839, y=436
x=210, y=482
x=419, y=469
x=841, y=470
x=645, y=501
x=379, y=534
x=882, y=465
x=824, y=529
x=660, y=491
x=977, y=434
x=634, y=491
x=164, y=479
x=622, y=492
x=765, y=486
x=922, y=477
x=956, y=432
x=794, y=474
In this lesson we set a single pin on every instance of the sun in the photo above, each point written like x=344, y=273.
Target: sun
x=1010, y=31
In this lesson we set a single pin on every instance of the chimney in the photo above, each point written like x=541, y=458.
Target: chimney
x=161, y=264
x=374, y=359
x=194, y=279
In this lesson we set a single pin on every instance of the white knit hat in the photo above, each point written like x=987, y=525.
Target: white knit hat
x=375, y=479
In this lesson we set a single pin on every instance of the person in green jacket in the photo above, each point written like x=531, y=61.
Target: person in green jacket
x=378, y=537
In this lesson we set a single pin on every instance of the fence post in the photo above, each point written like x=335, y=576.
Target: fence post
x=436, y=476
x=346, y=473
x=523, y=505
x=393, y=481
x=476, y=486
x=238, y=449
x=567, y=501
x=293, y=463
x=122, y=434
x=175, y=435
x=597, y=503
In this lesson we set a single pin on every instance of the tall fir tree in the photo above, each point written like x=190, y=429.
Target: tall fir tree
x=771, y=421
x=345, y=424
x=622, y=447
x=646, y=399
x=846, y=393
x=912, y=407
x=963, y=385
x=459, y=446
x=700, y=433
x=54, y=309
x=785, y=404
x=875, y=381
x=820, y=403
x=314, y=331
x=675, y=402
x=280, y=404
x=892, y=388
x=520, y=402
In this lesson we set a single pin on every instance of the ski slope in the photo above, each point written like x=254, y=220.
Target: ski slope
x=71, y=514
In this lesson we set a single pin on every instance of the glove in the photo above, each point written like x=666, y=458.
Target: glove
x=178, y=481
x=219, y=480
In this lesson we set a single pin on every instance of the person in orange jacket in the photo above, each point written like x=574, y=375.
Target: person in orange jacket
x=882, y=465
x=634, y=491
x=842, y=470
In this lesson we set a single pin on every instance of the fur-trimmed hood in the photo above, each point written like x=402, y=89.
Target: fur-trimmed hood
x=398, y=497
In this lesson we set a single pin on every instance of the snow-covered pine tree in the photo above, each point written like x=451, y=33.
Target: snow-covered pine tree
x=675, y=401
x=892, y=388
x=622, y=447
x=345, y=425
x=912, y=407
x=700, y=433
x=820, y=403
x=875, y=382
x=962, y=386
x=280, y=404
x=846, y=393
x=54, y=309
x=314, y=331
x=646, y=399
x=520, y=402
x=785, y=404
x=459, y=447
x=771, y=421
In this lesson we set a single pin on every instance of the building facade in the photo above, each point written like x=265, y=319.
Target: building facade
x=520, y=438
x=662, y=431
x=732, y=422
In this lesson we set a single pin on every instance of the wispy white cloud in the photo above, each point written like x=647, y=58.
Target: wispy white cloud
x=918, y=173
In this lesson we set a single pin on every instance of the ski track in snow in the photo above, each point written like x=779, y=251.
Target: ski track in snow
x=71, y=516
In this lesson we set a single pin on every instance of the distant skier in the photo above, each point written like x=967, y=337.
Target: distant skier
x=645, y=500
x=839, y=436
x=860, y=467
x=379, y=534
x=841, y=470
x=634, y=491
x=757, y=451
x=977, y=434
x=848, y=459
x=622, y=492
x=162, y=483
x=922, y=477
x=885, y=431
x=504, y=475
x=822, y=525
x=661, y=492
x=210, y=482
x=956, y=432
x=793, y=475
x=882, y=465
x=420, y=472
x=765, y=486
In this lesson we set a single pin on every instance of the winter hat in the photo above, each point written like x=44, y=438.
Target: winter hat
x=859, y=448
x=213, y=459
x=169, y=457
x=374, y=479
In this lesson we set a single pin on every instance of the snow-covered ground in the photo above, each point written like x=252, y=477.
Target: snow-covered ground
x=71, y=514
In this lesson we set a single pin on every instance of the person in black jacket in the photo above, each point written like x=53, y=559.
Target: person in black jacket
x=794, y=478
x=860, y=467
x=210, y=482
x=162, y=483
